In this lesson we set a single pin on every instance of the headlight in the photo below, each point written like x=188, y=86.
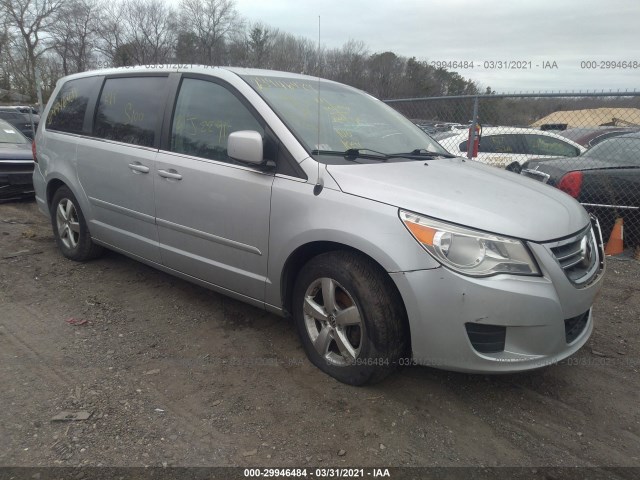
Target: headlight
x=467, y=251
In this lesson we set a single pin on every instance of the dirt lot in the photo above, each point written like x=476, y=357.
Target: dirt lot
x=173, y=374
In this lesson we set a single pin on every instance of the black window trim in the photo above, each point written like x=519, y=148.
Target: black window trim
x=94, y=95
x=161, y=113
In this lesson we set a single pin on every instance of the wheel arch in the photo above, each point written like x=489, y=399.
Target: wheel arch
x=59, y=179
x=52, y=187
x=301, y=255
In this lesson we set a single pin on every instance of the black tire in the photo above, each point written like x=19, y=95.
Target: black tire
x=70, y=228
x=377, y=342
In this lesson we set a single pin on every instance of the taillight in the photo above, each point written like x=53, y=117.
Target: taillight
x=33, y=151
x=571, y=183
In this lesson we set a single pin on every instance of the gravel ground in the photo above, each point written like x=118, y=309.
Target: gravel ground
x=172, y=374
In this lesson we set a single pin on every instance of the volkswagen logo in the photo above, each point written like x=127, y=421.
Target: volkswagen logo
x=586, y=251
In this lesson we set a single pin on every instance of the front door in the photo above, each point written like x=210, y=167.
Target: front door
x=212, y=213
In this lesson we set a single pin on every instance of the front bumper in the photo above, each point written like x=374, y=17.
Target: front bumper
x=16, y=180
x=545, y=319
x=40, y=187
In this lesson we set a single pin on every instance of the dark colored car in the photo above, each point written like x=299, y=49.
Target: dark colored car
x=21, y=121
x=605, y=179
x=23, y=109
x=16, y=163
x=590, y=137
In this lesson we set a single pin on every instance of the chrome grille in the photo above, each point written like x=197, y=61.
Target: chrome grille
x=581, y=256
x=536, y=175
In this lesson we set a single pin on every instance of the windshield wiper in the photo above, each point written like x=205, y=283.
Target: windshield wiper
x=422, y=152
x=353, y=153
x=369, y=154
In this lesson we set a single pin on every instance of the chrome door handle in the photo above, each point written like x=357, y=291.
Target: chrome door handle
x=172, y=174
x=138, y=167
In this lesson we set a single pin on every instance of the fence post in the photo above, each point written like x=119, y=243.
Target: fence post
x=472, y=130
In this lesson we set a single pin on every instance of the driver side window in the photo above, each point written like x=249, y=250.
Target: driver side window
x=206, y=114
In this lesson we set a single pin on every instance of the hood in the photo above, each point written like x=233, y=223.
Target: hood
x=468, y=193
x=15, y=151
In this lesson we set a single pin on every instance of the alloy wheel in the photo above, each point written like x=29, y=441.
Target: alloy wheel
x=68, y=223
x=333, y=322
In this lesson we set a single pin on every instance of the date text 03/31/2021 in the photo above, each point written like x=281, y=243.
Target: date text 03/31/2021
x=317, y=473
x=494, y=64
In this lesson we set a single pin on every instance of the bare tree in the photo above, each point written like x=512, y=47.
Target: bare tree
x=347, y=64
x=260, y=37
x=31, y=19
x=139, y=32
x=251, y=46
x=385, y=72
x=75, y=34
x=111, y=30
x=294, y=54
x=5, y=78
x=66, y=36
x=187, y=50
x=150, y=30
x=212, y=22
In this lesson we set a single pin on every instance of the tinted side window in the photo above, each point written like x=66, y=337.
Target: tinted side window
x=129, y=110
x=501, y=144
x=619, y=150
x=68, y=109
x=206, y=113
x=604, y=136
x=543, y=145
x=497, y=144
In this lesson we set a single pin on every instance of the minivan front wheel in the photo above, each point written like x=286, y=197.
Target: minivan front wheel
x=70, y=228
x=349, y=317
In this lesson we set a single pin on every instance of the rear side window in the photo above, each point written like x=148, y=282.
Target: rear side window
x=129, y=110
x=600, y=138
x=543, y=145
x=498, y=144
x=206, y=114
x=69, y=108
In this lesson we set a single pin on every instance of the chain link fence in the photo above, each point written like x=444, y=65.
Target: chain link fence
x=586, y=144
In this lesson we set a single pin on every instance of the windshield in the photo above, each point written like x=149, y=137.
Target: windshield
x=8, y=134
x=618, y=149
x=346, y=119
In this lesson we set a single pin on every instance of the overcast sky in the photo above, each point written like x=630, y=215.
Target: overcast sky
x=537, y=31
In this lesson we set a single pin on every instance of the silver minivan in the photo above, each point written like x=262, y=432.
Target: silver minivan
x=313, y=199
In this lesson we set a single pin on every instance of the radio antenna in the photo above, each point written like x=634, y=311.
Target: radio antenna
x=318, y=74
x=319, y=184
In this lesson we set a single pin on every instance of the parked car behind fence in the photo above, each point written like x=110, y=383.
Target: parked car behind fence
x=509, y=147
x=605, y=179
x=590, y=137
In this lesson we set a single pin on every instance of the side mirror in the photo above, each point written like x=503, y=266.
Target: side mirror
x=245, y=146
x=515, y=167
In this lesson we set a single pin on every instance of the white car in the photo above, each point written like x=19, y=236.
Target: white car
x=510, y=147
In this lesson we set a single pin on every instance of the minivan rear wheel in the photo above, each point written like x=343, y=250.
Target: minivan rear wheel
x=70, y=228
x=349, y=317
